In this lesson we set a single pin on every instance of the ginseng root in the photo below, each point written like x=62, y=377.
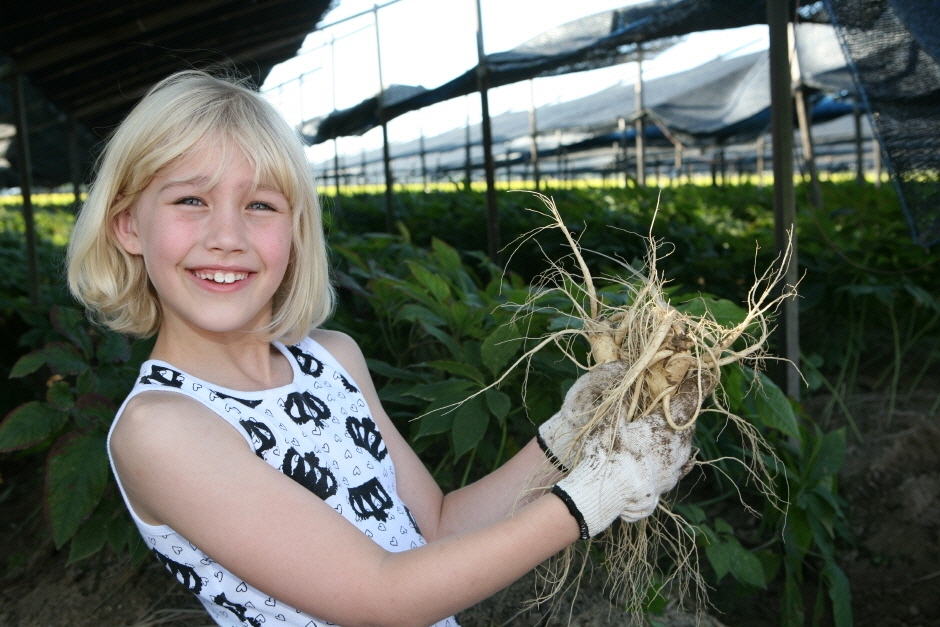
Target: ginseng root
x=666, y=348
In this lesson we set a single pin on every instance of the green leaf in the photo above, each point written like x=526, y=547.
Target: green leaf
x=448, y=256
x=59, y=395
x=386, y=370
x=113, y=348
x=500, y=347
x=28, y=364
x=89, y=539
x=444, y=339
x=839, y=593
x=30, y=424
x=470, y=424
x=830, y=457
x=719, y=556
x=418, y=313
x=121, y=531
x=799, y=527
x=774, y=409
x=438, y=421
x=96, y=409
x=76, y=475
x=499, y=404
x=725, y=312
x=450, y=389
x=458, y=368
x=434, y=283
x=745, y=566
x=64, y=359
x=71, y=323
x=722, y=526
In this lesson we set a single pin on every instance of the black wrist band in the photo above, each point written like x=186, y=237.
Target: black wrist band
x=550, y=455
x=573, y=510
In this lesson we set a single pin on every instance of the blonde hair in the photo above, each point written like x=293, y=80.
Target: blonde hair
x=176, y=117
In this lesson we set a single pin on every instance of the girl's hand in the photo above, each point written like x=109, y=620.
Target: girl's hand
x=622, y=468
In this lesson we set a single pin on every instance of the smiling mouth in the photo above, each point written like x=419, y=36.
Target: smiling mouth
x=220, y=277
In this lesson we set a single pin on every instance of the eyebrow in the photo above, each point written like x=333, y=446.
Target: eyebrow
x=204, y=182
x=198, y=181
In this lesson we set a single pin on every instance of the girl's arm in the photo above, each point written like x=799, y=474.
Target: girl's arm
x=488, y=500
x=183, y=466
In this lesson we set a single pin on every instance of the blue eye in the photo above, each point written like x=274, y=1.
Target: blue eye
x=262, y=206
x=189, y=200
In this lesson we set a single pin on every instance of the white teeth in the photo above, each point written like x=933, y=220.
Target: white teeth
x=221, y=277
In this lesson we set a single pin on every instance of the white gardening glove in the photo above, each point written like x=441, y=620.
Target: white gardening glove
x=558, y=434
x=625, y=467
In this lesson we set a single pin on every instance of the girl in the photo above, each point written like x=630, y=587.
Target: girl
x=253, y=452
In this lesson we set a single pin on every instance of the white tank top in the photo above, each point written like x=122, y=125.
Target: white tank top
x=316, y=430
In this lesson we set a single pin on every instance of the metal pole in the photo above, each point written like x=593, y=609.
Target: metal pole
x=468, y=164
x=424, y=165
x=336, y=201
x=859, y=153
x=492, y=216
x=760, y=161
x=25, y=167
x=640, y=124
x=533, y=135
x=74, y=169
x=876, y=159
x=386, y=156
x=622, y=127
x=781, y=113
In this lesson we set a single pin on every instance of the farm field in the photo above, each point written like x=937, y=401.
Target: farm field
x=857, y=455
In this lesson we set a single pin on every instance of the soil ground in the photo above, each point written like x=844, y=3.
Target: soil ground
x=890, y=481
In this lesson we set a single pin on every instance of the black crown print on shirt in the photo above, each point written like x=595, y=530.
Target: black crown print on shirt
x=160, y=375
x=346, y=384
x=237, y=609
x=184, y=573
x=302, y=407
x=365, y=434
x=370, y=500
x=251, y=404
x=308, y=363
x=262, y=438
x=306, y=470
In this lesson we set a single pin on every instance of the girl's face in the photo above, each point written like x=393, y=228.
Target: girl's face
x=216, y=253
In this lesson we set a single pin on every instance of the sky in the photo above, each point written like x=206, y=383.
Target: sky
x=429, y=42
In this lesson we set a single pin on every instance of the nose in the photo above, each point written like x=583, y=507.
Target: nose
x=225, y=229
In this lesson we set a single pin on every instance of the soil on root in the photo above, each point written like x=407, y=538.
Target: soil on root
x=891, y=483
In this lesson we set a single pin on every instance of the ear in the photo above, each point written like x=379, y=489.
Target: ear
x=124, y=227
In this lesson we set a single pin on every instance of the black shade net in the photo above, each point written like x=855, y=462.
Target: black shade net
x=894, y=47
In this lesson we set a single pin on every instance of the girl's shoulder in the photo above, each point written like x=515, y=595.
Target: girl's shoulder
x=338, y=344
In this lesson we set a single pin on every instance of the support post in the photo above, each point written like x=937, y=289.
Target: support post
x=424, y=163
x=337, y=202
x=760, y=161
x=468, y=164
x=75, y=170
x=533, y=136
x=492, y=216
x=876, y=159
x=25, y=167
x=859, y=152
x=781, y=113
x=386, y=156
x=640, y=121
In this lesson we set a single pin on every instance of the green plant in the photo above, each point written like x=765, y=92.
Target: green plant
x=800, y=536
x=90, y=371
x=448, y=334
